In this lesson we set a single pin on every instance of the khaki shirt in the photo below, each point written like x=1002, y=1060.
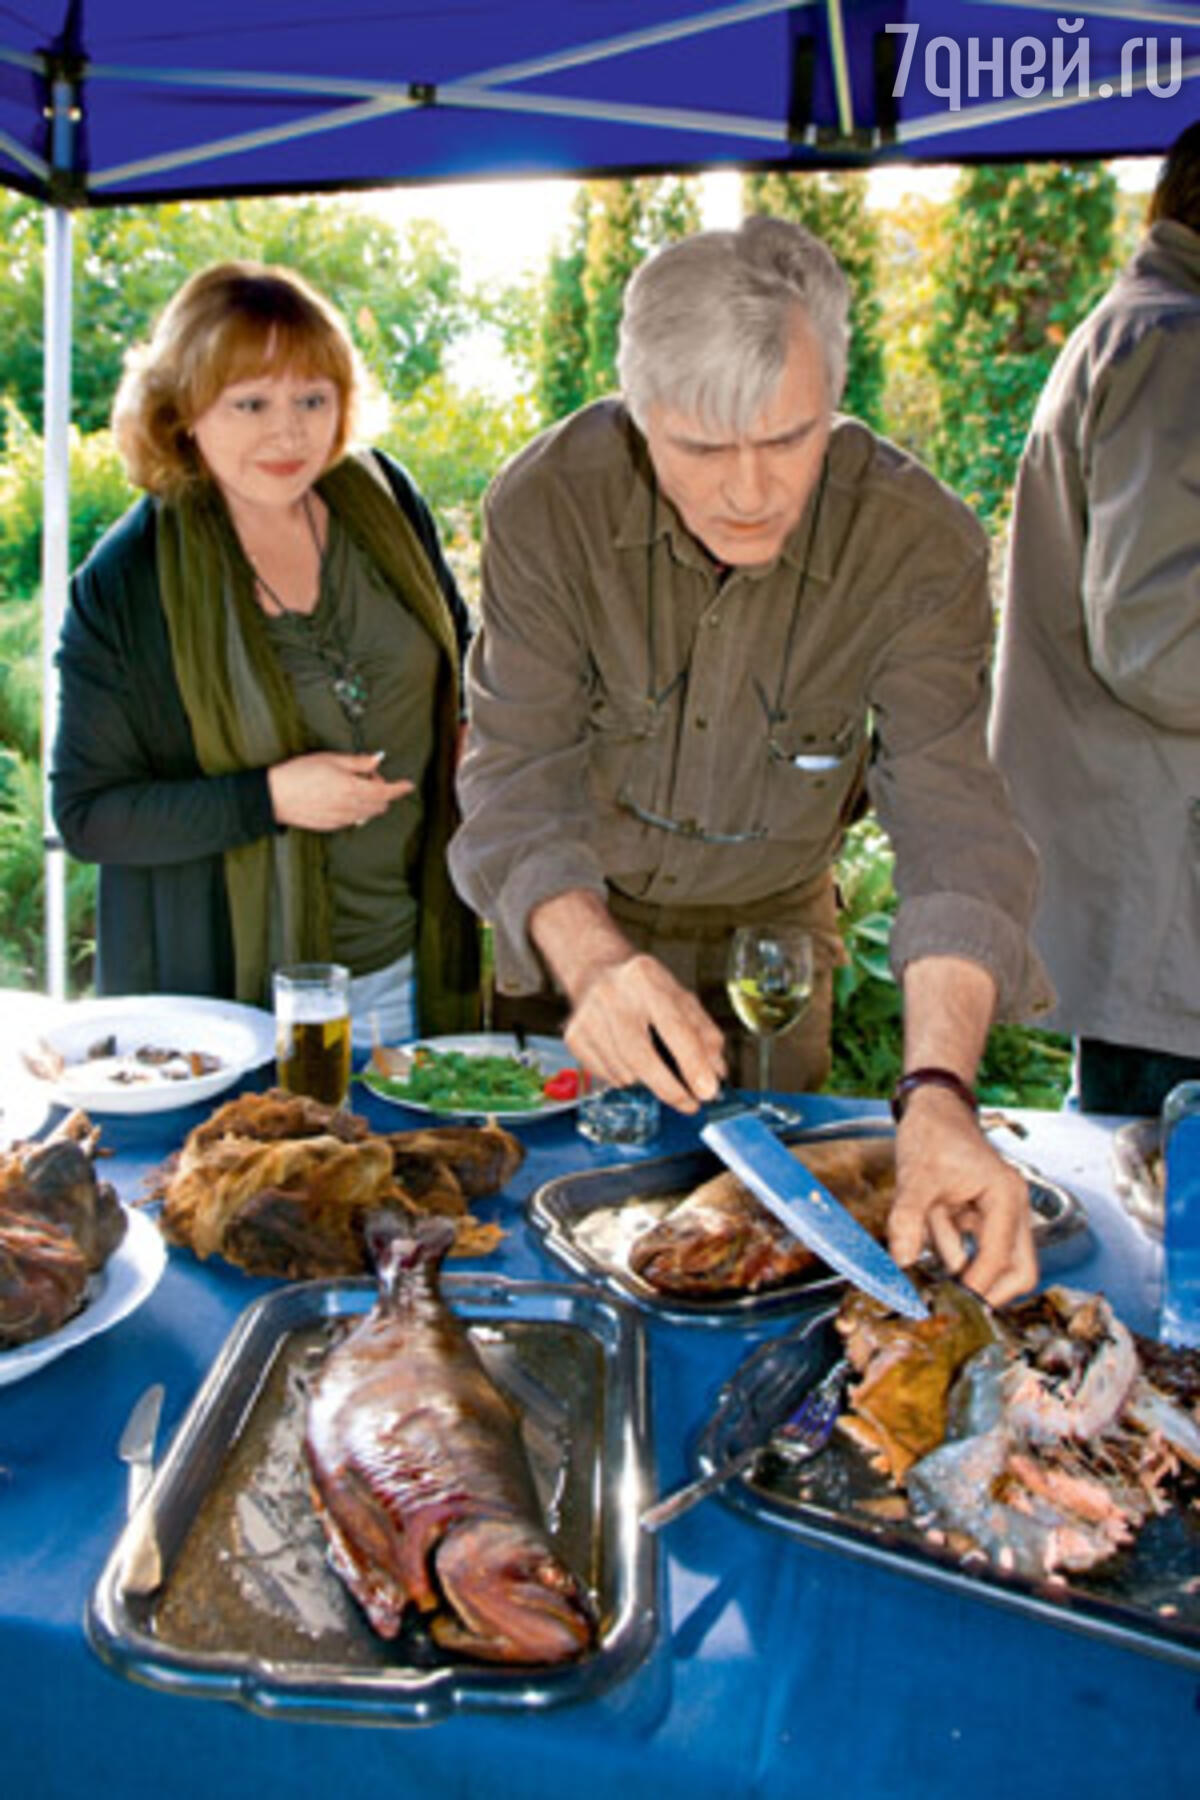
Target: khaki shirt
x=1098, y=695
x=618, y=679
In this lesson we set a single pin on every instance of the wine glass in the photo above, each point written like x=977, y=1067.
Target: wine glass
x=769, y=979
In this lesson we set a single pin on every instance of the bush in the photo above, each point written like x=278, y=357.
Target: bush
x=21, y=677
x=23, y=884
x=1021, y=1066
x=99, y=494
x=452, y=444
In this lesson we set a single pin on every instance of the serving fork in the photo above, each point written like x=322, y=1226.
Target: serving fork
x=801, y=1435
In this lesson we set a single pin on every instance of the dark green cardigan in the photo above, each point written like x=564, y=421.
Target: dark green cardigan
x=128, y=794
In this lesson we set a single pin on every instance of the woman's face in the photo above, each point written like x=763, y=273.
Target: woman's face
x=266, y=440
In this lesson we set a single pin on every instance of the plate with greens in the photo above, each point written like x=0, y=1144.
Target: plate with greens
x=485, y=1072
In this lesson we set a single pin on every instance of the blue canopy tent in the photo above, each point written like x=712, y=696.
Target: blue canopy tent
x=106, y=102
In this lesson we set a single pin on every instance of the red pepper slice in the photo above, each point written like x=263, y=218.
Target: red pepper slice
x=562, y=1086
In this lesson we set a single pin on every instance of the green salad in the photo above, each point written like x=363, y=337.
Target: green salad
x=455, y=1081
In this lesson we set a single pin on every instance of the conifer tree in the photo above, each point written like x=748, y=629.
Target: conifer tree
x=1030, y=251
x=561, y=380
x=834, y=207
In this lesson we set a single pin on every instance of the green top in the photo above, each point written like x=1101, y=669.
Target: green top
x=358, y=620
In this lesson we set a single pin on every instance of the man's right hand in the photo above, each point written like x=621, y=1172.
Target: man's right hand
x=621, y=1000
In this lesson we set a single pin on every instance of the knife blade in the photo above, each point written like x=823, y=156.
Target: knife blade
x=808, y=1209
x=136, y=1445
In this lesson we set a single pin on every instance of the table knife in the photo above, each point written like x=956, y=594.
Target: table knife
x=136, y=1445
x=811, y=1213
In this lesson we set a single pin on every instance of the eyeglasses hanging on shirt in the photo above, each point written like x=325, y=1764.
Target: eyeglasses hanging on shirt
x=809, y=762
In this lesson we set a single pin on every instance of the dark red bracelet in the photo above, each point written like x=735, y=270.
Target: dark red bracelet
x=946, y=1078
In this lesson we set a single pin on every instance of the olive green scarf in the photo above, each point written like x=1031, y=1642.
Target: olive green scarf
x=243, y=716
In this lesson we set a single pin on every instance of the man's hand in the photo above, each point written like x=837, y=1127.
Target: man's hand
x=619, y=998
x=950, y=1182
x=328, y=790
x=949, y=1179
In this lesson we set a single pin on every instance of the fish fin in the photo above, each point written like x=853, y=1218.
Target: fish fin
x=397, y=1244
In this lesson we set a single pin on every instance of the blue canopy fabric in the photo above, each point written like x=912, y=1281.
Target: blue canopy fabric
x=118, y=101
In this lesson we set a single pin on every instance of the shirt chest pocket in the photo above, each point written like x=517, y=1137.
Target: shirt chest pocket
x=622, y=725
x=815, y=769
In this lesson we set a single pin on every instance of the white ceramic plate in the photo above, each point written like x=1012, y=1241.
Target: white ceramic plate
x=242, y=1037
x=24, y=1103
x=550, y=1054
x=23, y=1110
x=128, y=1277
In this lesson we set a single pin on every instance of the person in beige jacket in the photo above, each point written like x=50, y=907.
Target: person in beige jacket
x=1097, y=714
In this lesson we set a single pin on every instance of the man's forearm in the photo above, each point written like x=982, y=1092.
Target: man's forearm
x=949, y=1004
x=576, y=937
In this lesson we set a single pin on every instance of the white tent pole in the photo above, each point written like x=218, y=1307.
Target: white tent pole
x=55, y=558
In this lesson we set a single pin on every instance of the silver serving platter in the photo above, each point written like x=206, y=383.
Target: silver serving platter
x=1146, y=1598
x=588, y=1219
x=219, y=1585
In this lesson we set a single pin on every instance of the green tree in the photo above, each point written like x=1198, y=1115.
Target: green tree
x=911, y=252
x=561, y=384
x=1029, y=251
x=615, y=247
x=401, y=294
x=452, y=444
x=614, y=226
x=834, y=208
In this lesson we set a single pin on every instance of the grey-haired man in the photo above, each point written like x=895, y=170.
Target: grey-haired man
x=716, y=615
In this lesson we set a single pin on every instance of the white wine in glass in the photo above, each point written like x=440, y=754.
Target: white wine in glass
x=769, y=979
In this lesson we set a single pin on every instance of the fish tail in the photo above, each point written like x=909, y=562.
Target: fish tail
x=399, y=1246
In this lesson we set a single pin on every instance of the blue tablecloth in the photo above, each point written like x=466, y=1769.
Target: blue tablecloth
x=781, y=1669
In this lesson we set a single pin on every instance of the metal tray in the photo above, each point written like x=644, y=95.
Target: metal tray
x=588, y=1220
x=1146, y=1598
x=219, y=1584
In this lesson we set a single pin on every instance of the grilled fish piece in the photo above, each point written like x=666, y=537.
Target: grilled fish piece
x=721, y=1240
x=421, y=1480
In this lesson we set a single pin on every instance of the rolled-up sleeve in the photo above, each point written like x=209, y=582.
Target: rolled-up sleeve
x=966, y=874
x=523, y=786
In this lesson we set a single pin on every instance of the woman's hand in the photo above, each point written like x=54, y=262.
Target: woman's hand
x=328, y=790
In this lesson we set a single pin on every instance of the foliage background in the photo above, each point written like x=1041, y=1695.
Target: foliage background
x=959, y=308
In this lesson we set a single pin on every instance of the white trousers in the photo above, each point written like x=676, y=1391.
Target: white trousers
x=389, y=997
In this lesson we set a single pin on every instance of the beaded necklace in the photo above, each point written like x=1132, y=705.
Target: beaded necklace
x=347, y=682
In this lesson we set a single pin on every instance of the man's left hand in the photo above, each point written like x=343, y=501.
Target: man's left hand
x=950, y=1182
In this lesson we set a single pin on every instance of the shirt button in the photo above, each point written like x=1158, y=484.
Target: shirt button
x=701, y=724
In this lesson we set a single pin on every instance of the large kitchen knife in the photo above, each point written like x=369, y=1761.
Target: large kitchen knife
x=808, y=1209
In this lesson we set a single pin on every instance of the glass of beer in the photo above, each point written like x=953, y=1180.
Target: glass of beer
x=312, y=1030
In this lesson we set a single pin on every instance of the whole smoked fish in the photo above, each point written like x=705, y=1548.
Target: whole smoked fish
x=421, y=1479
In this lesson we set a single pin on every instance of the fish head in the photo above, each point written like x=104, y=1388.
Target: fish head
x=509, y=1597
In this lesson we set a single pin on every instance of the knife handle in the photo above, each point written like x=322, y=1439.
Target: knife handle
x=138, y=1486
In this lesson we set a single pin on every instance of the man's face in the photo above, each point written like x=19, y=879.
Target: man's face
x=741, y=494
